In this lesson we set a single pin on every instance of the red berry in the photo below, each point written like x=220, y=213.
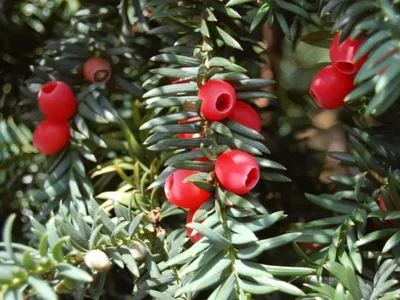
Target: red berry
x=329, y=87
x=204, y=159
x=57, y=101
x=383, y=207
x=219, y=99
x=187, y=135
x=246, y=115
x=189, y=218
x=310, y=246
x=97, y=69
x=50, y=136
x=135, y=28
x=342, y=55
x=184, y=194
x=237, y=171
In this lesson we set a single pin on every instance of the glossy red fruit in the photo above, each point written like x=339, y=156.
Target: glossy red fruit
x=187, y=135
x=237, y=171
x=246, y=115
x=184, y=195
x=342, y=55
x=329, y=87
x=50, y=137
x=310, y=246
x=204, y=159
x=219, y=99
x=97, y=69
x=57, y=101
x=383, y=207
x=194, y=238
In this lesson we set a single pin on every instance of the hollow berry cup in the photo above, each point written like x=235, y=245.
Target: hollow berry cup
x=187, y=135
x=342, y=55
x=184, y=194
x=329, y=87
x=57, y=101
x=50, y=137
x=97, y=69
x=219, y=100
x=189, y=218
x=237, y=171
x=245, y=115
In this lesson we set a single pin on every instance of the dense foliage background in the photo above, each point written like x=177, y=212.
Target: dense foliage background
x=314, y=226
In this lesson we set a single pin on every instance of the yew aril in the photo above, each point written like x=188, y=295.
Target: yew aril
x=310, y=246
x=184, y=194
x=189, y=218
x=97, y=69
x=237, y=171
x=383, y=207
x=329, y=87
x=188, y=135
x=219, y=99
x=246, y=115
x=57, y=101
x=342, y=55
x=203, y=159
x=50, y=137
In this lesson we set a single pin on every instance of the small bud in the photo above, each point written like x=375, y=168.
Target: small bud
x=97, y=260
x=138, y=250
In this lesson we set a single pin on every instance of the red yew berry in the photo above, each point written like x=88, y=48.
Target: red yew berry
x=184, y=194
x=329, y=87
x=50, y=136
x=310, y=246
x=342, y=55
x=187, y=135
x=219, y=99
x=383, y=207
x=194, y=238
x=237, y=171
x=97, y=69
x=246, y=115
x=204, y=159
x=57, y=101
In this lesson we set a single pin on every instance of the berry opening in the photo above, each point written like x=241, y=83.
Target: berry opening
x=223, y=103
x=345, y=67
x=252, y=177
x=49, y=87
x=101, y=75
